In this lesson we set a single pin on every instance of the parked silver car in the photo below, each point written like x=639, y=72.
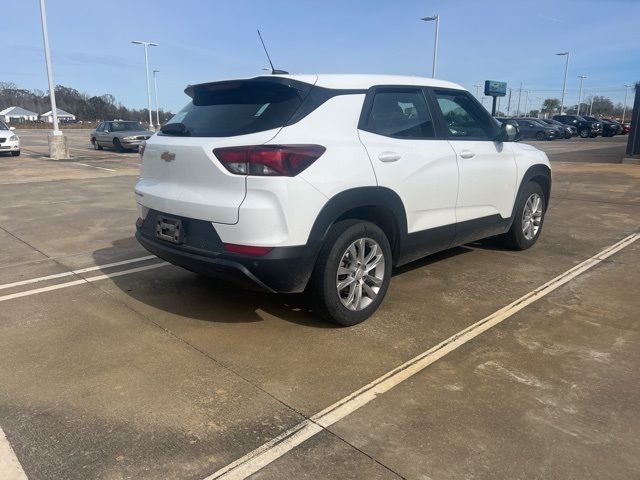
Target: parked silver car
x=120, y=135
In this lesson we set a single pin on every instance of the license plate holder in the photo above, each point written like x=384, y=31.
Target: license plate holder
x=170, y=230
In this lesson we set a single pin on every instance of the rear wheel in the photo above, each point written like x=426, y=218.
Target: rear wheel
x=528, y=218
x=352, y=273
x=117, y=145
x=16, y=153
x=567, y=135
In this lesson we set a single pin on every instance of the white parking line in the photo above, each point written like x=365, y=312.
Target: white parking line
x=75, y=272
x=93, y=166
x=10, y=468
x=274, y=449
x=35, y=291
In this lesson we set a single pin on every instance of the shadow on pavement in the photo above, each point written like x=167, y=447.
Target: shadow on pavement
x=180, y=292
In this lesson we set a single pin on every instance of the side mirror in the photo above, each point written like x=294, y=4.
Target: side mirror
x=508, y=132
x=12, y=128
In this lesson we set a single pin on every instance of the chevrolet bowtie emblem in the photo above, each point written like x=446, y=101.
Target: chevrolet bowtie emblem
x=168, y=156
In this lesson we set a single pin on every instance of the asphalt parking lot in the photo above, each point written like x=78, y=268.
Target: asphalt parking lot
x=114, y=365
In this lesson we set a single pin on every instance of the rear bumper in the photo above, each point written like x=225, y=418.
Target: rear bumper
x=282, y=270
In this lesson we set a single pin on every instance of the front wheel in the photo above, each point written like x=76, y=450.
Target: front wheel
x=584, y=133
x=96, y=146
x=528, y=218
x=352, y=273
x=16, y=153
x=117, y=145
x=540, y=136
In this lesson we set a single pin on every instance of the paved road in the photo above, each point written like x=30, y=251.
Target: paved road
x=114, y=365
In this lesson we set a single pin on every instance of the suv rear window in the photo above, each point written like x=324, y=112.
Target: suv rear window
x=226, y=109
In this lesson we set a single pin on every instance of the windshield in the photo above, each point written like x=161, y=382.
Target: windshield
x=126, y=126
x=3, y=126
x=225, y=109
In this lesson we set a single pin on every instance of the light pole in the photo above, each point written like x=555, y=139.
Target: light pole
x=591, y=105
x=564, y=84
x=57, y=142
x=519, y=96
x=155, y=89
x=581, y=77
x=146, y=68
x=624, y=106
x=526, y=103
x=435, y=18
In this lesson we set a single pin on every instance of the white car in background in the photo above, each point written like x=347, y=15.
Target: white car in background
x=9, y=141
x=325, y=183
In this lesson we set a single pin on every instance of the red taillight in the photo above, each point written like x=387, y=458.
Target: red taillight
x=268, y=160
x=246, y=249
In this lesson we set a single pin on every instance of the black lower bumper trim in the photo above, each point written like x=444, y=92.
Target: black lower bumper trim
x=283, y=270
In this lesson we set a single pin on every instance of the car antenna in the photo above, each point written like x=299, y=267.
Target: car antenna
x=274, y=71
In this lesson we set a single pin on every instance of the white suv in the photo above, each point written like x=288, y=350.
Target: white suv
x=325, y=183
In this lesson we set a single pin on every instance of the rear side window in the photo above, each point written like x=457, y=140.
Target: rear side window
x=465, y=118
x=226, y=109
x=400, y=114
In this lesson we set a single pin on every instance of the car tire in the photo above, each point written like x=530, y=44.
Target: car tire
x=540, y=136
x=15, y=153
x=528, y=218
x=593, y=135
x=584, y=133
x=567, y=135
x=118, y=146
x=94, y=142
x=348, y=246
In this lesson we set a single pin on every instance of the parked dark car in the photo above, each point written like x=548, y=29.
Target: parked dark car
x=617, y=123
x=533, y=128
x=568, y=131
x=586, y=128
x=609, y=128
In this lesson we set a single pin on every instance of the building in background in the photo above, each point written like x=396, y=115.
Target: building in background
x=18, y=115
x=62, y=116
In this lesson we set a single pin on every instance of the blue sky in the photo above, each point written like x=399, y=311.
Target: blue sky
x=206, y=40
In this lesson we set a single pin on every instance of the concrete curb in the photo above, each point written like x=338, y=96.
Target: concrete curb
x=631, y=160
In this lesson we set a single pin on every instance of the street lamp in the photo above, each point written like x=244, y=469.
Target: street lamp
x=155, y=89
x=57, y=142
x=581, y=77
x=564, y=84
x=435, y=18
x=624, y=107
x=146, y=67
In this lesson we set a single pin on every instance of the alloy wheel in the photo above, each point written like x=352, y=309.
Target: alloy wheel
x=360, y=274
x=532, y=216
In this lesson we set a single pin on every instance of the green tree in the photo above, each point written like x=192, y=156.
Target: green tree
x=551, y=105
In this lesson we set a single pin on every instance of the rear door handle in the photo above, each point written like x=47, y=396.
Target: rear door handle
x=389, y=156
x=467, y=154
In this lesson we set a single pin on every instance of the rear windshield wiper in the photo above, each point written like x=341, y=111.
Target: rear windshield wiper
x=178, y=129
